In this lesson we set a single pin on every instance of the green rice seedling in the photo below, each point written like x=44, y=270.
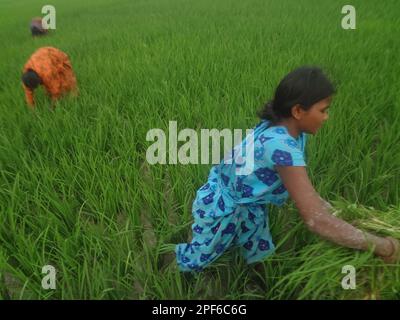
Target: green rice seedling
x=77, y=193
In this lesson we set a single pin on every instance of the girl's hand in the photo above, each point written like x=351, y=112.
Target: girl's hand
x=395, y=256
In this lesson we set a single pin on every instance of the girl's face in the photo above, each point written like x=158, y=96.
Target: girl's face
x=313, y=118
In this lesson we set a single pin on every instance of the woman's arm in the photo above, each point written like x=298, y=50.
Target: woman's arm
x=316, y=214
x=29, y=97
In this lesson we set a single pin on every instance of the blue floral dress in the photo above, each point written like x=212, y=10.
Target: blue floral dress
x=230, y=208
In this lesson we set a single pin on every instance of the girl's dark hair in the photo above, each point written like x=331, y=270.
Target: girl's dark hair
x=305, y=86
x=31, y=79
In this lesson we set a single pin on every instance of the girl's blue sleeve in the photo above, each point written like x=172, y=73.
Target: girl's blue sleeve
x=285, y=152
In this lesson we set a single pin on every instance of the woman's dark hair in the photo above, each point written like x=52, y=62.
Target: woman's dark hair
x=305, y=86
x=31, y=79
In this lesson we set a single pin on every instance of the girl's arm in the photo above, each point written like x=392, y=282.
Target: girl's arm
x=316, y=214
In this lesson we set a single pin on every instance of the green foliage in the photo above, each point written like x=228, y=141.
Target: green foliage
x=76, y=191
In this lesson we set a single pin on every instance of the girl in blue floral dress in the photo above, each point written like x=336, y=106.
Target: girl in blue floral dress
x=230, y=208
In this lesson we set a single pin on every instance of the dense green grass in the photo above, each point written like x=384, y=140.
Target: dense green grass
x=76, y=191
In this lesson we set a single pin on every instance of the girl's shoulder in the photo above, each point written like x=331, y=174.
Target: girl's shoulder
x=280, y=148
x=280, y=132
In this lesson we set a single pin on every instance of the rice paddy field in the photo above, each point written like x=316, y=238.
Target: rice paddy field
x=77, y=193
